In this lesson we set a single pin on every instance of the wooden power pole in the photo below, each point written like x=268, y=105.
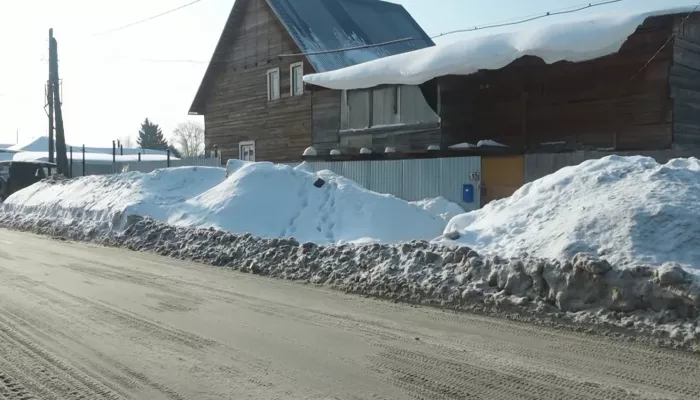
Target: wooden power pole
x=61, y=157
x=49, y=102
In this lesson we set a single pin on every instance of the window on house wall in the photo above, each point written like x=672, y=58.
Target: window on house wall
x=296, y=77
x=414, y=108
x=385, y=106
x=246, y=150
x=389, y=105
x=273, y=84
x=355, y=109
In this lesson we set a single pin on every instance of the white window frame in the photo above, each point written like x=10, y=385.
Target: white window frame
x=246, y=143
x=345, y=108
x=291, y=79
x=270, y=88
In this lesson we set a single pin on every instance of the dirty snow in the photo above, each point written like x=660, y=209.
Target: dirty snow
x=622, y=208
x=571, y=41
x=264, y=199
x=628, y=210
x=440, y=207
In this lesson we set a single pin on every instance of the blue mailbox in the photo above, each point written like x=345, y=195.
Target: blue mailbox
x=468, y=193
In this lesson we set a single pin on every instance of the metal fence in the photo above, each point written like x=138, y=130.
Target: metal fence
x=413, y=180
x=77, y=169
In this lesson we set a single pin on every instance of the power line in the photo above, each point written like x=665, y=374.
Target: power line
x=663, y=46
x=528, y=19
x=147, y=19
x=522, y=20
x=365, y=46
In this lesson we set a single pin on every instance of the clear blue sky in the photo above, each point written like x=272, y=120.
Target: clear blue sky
x=111, y=83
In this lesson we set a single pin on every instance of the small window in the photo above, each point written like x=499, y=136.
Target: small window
x=246, y=150
x=273, y=84
x=296, y=77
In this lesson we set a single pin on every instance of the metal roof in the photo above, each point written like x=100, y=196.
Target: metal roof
x=322, y=25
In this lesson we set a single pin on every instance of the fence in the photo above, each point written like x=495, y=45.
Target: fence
x=415, y=179
x=105, y=168
x=539, y=165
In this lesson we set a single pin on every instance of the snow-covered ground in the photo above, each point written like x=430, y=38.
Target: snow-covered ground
x=574, y=41
x=263, y=199
x=628, y=210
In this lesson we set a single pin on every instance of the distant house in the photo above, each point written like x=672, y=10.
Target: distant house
x=252, y=97
x=37, y=149
x=619, y=82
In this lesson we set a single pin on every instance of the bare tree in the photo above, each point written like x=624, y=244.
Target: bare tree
x=188, y=138
x=127, y=141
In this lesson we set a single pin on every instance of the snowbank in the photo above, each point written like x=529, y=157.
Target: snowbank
x=662, y=304
x=440, y=207
x=271, y=200
x=571, y=41
x=263, y=199
x=106, y=199
x=628, y=210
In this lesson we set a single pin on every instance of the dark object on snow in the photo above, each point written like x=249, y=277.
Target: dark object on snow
x=17, y=175
x=319, y=183
x=452, y=235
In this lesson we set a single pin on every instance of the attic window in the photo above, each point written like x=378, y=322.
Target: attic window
x=296, y=77
x=273, y=84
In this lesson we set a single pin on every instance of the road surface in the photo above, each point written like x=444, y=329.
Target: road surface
x=84, y=322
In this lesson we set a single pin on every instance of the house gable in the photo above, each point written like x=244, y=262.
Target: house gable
x=237, y=106
x=252, y=36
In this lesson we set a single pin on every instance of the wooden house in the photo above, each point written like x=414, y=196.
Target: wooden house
x=252, y=96
x=644, y=96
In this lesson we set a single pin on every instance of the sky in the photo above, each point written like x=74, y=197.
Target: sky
x=113, y=81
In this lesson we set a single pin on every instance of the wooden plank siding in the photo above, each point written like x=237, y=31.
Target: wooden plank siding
x=590, y=104
x=684, y=81
x=325, y=110
x=237, y=109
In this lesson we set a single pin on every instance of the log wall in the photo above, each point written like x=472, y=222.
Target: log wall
x=237, y=108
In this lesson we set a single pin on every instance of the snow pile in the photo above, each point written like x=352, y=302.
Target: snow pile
x=264, y=199
x=271, y=200
x=571, y=41
x=106, y=199
x=440, y=207
x=628, y=210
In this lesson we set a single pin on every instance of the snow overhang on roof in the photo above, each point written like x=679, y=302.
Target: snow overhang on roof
x=573, y=41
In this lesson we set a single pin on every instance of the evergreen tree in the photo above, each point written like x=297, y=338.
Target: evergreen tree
x=151, y=137
x=174, y=152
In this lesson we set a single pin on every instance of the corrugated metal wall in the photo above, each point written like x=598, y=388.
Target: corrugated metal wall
x=539, y=165
x=413, y=179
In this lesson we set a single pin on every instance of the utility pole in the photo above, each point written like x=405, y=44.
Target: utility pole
x=61, y=157
x=49, y=101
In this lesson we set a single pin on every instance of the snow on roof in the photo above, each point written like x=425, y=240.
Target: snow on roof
x=573, y=41
x=41, y=143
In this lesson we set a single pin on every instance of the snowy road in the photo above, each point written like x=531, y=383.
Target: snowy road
x=79, y=321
